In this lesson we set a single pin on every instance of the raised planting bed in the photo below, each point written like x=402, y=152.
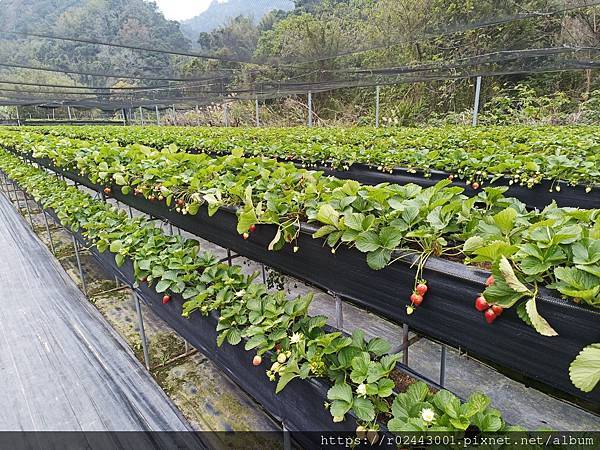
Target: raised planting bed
x=447, y=315
x=299, y=406
x=538, y=196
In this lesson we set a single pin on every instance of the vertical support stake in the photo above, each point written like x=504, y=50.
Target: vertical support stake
x=443, y=366
x=476, y=106
x=28, y=210
x=310, y=109
x=138, y=310
x=377, y=94
x=287, y=443
x=226, y=114
x=81, y=275
x=48, y=230
x=339, y=313
x=405, y=344
x=157, y=115
x=257, y=113
x=141, y=116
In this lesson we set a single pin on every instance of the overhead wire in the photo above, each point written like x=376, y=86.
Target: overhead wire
x=455, y=30
x=276, y=87
x=98, y=74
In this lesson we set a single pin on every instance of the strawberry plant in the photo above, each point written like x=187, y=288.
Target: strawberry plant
x=524, y=155
x=555, y=248
x=299, y=346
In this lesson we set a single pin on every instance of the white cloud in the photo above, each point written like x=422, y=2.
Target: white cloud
x=182, y=9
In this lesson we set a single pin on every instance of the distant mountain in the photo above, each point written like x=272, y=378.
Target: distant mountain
x=219, y=12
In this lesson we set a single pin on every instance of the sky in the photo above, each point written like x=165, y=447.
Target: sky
x=182, y=9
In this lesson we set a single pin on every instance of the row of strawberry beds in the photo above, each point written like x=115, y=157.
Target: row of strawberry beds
x=399, y=227
x=517, y=156
x=209, y=302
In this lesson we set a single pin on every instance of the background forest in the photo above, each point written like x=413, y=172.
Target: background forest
x=316, y=41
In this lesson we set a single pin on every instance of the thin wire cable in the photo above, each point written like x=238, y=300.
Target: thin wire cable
x=135, y=47
x=103, y=75
x=568, y=65
x=456, y=30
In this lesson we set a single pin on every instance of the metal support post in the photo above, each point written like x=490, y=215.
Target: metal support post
x=48, y=230
x=443, y=366
x=157, y=115
x=28, y=210
x=310, y=109
x=476, y=106
x=287, y=442
x=264, y=274
x=18, y=118
x=17, y=199
x=138, y=310
x=174, y=115
x=9, y=190
x=69, y=112
x=226, y=114
x=257, y=113
x=405, y=344
x=76, y=246
x=141, y=116
x=197, y=116
x=339, y=313
x=377, y=94
x=229, y=257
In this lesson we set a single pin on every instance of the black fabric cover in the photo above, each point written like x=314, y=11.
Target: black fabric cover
x=447, y=314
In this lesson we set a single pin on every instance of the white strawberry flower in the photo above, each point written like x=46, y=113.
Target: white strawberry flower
x=361, y=390
x=427, y=415
x=296, y=338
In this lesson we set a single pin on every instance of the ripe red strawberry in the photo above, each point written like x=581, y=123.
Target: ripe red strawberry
x=490, y=281
x=166, y=299
x=144, y=280
x=252, y=228
x=421, y=289
x=490, y=316
x=416, y=299
x=481, y=304
x=245, y=236
x=475, y=185
x=107, y=190
x=497, y=309
x=257, y=360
